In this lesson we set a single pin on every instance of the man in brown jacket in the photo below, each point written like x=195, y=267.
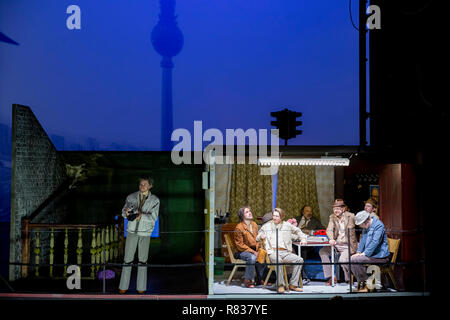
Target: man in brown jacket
x=245, y=241
x=340, y=222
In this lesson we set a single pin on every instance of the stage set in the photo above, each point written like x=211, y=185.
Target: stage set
x=66, y=210
x=93, y=112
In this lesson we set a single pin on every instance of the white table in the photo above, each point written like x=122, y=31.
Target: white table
x=319, y=244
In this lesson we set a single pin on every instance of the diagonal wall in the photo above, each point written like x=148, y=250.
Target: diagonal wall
x=36, y=173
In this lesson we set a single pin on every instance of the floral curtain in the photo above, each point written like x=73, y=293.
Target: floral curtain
x=325, y=191
x=297, y=187
x=249, y=187
x=222, y=187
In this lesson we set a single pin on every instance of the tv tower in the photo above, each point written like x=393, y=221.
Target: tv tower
x=167, y=40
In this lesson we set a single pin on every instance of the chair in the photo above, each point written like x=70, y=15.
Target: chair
x=272, y=268
x=393, y=245
x=230, y=248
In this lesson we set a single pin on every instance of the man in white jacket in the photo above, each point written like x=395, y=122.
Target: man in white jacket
x=141, y=209
x=286, y=233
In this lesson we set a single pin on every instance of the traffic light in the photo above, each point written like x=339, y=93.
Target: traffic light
x=281, y=123
x=287, y=123
x=294, y=123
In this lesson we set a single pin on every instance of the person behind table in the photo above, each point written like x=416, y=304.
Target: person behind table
x=286, y=233
x=244, y=237
x=340, y=221
x=146, y=205
x=370, y=206
x=307, y=222
x=373, y=247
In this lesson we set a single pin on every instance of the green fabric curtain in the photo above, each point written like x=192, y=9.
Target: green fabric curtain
x=296, y=187
x=249, y=187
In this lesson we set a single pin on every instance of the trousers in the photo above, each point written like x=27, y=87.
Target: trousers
x=142, y=244
x=287, y=257
x=250, y=258
x=325, y=253
x=360, y=270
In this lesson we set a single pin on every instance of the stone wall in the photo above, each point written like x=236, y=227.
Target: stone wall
x=37, y=171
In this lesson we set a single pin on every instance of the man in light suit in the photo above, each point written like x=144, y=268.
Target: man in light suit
x=280, y=249
x=141, y=209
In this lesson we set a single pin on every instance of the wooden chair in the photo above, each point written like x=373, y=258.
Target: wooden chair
x=393, y=245
x=230, y=248
x=273, y=268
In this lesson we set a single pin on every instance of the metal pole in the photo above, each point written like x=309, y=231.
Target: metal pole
x=363, y=115
x=104, y=260
x=349, y=261
x=276, y=250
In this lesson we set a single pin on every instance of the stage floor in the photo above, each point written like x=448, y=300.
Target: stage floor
x=236, y=287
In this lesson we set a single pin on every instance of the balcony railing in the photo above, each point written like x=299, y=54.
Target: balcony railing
x=106, y=245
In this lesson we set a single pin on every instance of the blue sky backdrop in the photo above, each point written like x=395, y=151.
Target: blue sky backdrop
x=240, y=61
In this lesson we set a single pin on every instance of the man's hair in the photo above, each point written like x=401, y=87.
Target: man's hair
x=372, y=202
x=280, y=211
x=303, y=208
x=148, y=178
x=241, y=212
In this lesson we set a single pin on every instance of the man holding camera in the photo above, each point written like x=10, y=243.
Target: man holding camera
x=141, y=209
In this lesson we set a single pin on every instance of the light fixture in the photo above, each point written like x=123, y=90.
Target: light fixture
x=326, y=161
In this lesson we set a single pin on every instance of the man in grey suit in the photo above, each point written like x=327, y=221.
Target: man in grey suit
x=141, y=209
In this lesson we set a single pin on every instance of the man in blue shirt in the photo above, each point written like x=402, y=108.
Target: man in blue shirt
x=373, y=247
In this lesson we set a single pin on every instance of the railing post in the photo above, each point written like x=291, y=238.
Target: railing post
x=80, y=247
x=37, y=251
x=25, y=246
x=66, y=249
x=116, y=243
x=52, y=250
x=93, y=253
x=111, y=243
x=106, y=245
x=99, y=251
x=121, y=238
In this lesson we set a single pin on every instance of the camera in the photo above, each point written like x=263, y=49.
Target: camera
x=132, y=214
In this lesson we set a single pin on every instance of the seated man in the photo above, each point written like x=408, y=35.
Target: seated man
x=373, y=247
x=282, y=247
x=247, y=246
x=339, y=222
x=307, y=223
